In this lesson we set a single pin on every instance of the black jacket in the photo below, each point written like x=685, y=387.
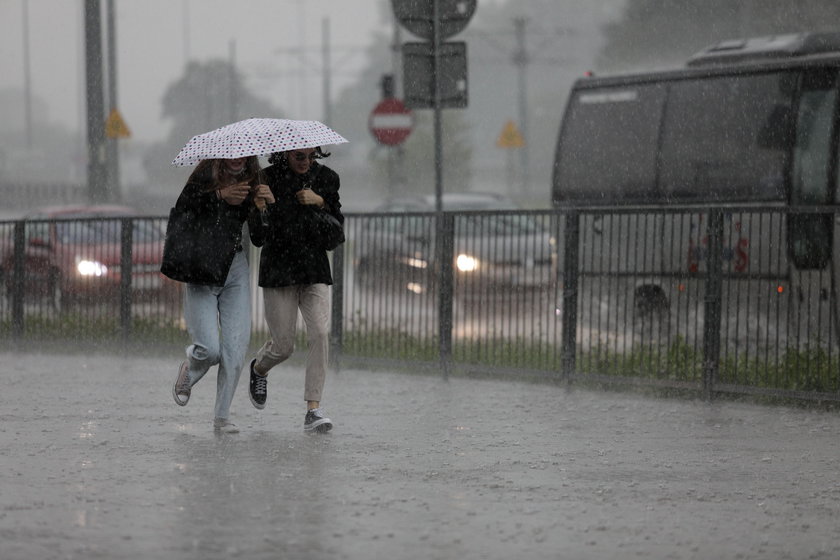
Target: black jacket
x=218, y=233
x=289, y=256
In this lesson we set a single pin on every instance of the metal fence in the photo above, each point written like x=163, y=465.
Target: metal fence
x=713, y=300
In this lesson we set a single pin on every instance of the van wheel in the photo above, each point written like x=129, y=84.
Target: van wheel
x=651, y=315
x=650, y=301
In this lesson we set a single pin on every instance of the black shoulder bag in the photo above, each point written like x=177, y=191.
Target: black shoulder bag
x=327, y=231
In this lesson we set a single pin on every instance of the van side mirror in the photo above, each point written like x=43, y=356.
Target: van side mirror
x=810, y=240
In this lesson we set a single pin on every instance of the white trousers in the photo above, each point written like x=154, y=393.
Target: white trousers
x=281, y=313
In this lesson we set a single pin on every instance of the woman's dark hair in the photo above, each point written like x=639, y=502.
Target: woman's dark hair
x=279, y=158
x=214, y=173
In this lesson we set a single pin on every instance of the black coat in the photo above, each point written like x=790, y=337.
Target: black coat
x=219, y=234
x=289, y=252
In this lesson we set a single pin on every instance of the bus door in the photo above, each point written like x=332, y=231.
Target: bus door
x=811, y=236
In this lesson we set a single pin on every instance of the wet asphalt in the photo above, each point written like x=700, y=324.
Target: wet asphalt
x=97, y=461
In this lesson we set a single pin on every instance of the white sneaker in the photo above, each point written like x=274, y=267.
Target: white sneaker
x=181, y=389
x=224, y=426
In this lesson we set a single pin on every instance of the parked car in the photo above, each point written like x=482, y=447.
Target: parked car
x=493, y=247
x=72, y=255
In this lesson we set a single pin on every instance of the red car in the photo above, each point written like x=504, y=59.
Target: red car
x=72, y=256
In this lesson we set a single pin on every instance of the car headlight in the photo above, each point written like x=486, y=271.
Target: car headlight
x=415, y=262
x=466, y=263
x=89, y=267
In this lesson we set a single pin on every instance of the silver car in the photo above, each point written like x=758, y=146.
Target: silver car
x=496, y=245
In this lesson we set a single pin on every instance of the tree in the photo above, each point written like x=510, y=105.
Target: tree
x=655, y=33
x=53, y=154
x=209, y=95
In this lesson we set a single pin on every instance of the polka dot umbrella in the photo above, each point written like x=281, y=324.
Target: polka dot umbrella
x=256, y=137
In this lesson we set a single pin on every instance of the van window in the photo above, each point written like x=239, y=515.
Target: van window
x=810, y=179
x=724, y=139
x=810, y=236
x=608, y=145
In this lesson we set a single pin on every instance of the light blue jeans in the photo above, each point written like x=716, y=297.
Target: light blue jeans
x=219, y=322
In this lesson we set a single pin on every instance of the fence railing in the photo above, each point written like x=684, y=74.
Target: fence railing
x=713, y=300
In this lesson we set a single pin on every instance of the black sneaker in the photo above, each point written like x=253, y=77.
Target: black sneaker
x=258, y=388
x=315, y=421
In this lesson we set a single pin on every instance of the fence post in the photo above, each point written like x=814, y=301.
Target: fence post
x=337, y=319
x=571, y=264
x=445, y=253
x=712, y=310
x=126, y=274
x=17, y=280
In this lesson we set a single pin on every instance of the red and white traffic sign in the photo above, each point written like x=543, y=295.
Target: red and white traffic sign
x=391, y=122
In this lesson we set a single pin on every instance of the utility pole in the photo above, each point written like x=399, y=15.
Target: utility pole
x=521, y=59
x=311, y=64
x=27, y=80
x=112, y=149
x=396, y=154
x=326, y=68
x=436, y=108
x=97, y=174
x=233, y=99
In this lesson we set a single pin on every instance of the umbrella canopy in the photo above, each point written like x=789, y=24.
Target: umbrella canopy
x=256, y=137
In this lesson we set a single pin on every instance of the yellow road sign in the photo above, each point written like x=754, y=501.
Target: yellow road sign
x=510, y=137
x=115, y=126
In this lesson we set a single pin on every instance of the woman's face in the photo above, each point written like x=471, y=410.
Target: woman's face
x=300, y=160
x=235, y=166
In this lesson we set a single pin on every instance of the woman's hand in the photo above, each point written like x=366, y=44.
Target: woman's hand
x=262, y=196
x=234, y=194
x=309, y=197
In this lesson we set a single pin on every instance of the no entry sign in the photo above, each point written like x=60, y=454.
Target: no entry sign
x=391, y=122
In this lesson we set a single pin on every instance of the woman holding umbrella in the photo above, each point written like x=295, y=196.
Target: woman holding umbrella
x=295, y=272
x=204, y=250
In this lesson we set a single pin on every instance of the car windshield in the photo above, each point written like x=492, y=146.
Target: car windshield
x=491, y=224
x=495, y=224
x=143, y=232
x=105, y=231
x=76, y=232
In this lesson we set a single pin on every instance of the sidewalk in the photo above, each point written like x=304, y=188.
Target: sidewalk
x=97, y=461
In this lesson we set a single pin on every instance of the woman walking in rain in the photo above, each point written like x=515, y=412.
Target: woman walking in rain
x=204, y=239
x=295, y=272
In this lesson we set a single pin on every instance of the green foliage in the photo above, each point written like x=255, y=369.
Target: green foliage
x=655, y=33
x=520, y=353
x=73, y=332
x=381, y=343
x=678, y=362
x=209, y=95
x=810, y=369
x=813, y=369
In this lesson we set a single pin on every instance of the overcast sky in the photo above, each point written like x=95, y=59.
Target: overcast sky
x=156, y=37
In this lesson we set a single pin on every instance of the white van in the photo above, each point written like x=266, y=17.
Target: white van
x=749, y=127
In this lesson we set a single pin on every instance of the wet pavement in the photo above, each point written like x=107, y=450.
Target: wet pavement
x=97, y=461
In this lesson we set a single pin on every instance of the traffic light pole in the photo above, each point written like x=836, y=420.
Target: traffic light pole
x=444, y=241
x=97, y=173
x=112, y=144
x=436, y=109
